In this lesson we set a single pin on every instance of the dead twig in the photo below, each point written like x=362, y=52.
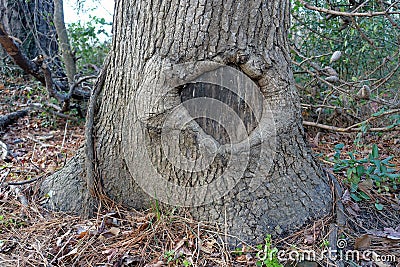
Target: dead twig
x=22, y=182
x=357, y=127
x=349, y=14
x=59, y=114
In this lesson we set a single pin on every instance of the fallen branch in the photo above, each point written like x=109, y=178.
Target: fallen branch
x=389, y=112
x=50, y=86
x=59, y=114
x=33, y=67
x=12, y=49
x=358, y=126
x=346, y=130
x=11, y=118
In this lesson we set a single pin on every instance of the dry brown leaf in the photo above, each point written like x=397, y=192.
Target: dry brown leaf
x=335, y=56
x=180, y=244
x=363, y=242
x=209, y=246
x=157, y=264
x=311, y=235
x=241, y=258
x=82, y=235
x=115, y=231
x=366, y=186
x=71, y=253
x=331, y=71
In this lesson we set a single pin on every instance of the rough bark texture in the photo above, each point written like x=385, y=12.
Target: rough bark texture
x=31, y=23
x=66, y=189
x=153, y=36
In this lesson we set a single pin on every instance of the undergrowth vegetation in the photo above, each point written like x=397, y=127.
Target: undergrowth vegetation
x=347, y=73
x=90, y=41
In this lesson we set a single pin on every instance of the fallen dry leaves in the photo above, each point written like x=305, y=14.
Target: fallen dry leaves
x=31, y=236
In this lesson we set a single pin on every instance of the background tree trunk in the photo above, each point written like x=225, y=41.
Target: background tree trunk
x=280, y=186
x=31, y=22
x=66, y=51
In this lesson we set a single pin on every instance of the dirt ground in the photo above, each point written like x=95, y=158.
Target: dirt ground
x=41, y=143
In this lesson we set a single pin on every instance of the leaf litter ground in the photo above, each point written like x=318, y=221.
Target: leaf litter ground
x=41, y=143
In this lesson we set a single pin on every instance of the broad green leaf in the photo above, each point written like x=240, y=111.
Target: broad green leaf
x=355, y=197
x=339, y=146
x=360, y=170
x=393, y=176
x=378, y=206
x=375, y=151
x=363, y=195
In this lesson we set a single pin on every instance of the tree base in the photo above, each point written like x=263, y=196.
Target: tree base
x=66, y=189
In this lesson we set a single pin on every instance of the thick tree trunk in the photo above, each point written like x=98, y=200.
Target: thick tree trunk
x=252, y=171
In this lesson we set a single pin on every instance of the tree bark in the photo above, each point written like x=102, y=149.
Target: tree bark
x=158, y=133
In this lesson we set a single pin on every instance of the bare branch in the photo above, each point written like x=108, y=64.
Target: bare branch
x=357, y=127
x=22, y=182
x=345, y=130
x=59, y=114
x=348, y=14
x=12, y=48
x=41, y=74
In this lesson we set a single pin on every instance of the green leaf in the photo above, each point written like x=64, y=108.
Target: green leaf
x=378, y=113
x=364, y=127
x=349, y=173
x=375, y=151
x=339, y=146
x=386, y=161
x=393, y=176
x=355, y=197
x=363, y=195
x=378, y=206
x=353, y=187
x=360, y=170
x=377, y=163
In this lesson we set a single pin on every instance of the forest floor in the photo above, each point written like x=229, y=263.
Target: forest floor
x=41, y=143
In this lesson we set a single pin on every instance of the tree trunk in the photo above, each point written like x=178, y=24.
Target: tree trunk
x=66, y=51
x=198, y=109
x=31, y=23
